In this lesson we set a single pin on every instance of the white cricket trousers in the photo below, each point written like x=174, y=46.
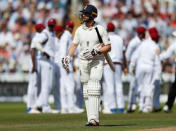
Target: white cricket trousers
x=144, y=80
x=91, y=73
x=67, y=86
x=33, y=85
x=156, y=94
x=32, y=90
x=113, y=90
x=46, y=73
x=132, y=95
x=78, y=90
x=56, y=86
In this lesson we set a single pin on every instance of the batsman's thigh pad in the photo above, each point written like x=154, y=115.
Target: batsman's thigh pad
x=96, y=69
x=94, y=88
x=84, y=71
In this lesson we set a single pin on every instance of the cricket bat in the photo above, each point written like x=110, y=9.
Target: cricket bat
x=106, y=55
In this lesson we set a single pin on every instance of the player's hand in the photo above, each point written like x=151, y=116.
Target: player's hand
x=95, y=52
x=45, y=54
x=65, y=63
x=89, y=54
x=33, y=69
x=158, y=52
x=132, y=70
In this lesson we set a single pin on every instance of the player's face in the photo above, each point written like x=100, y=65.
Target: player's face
x=142, y=36
x=40, y=30
x=86, y=17
x=51, y=27
x=59, y=34
x=70, y=29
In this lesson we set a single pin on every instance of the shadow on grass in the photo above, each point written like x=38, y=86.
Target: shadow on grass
x=118, y=125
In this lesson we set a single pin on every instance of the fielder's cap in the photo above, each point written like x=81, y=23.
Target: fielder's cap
x=153, y=29
x=39, y=27
x=52, y=21
x=110, y=26
x=154, y=36
x=90, y=9
x=58, y=28
x=141, y=30
x=70, y=23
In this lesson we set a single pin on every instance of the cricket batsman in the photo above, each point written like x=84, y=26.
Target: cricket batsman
x=91, y=60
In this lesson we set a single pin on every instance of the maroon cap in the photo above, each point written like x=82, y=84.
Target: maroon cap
x=141, y=30
x=152, y=30
x=38, y=27
x=58, y=28
x=52, y=21
x=154, y=36
x=70, y=23
x=110, y=26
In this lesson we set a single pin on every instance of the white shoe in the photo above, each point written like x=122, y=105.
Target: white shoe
x=34, y=111
x=64, y=111
x=140, y=109
x=133, y=107
x=147, y=110
x=166, y=108
x=75, y=110
x=106, y=111
x=52, y=111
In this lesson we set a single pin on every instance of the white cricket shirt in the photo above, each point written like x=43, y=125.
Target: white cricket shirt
x=87, y=38
x=116, y=52
x=49, y=47
x=145, y=56
x=132, y=46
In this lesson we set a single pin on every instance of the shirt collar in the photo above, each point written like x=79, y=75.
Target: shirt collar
x=111, y=33
x=86, y=28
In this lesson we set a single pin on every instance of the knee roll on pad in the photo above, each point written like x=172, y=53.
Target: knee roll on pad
x=94, y=88
x=85, y=88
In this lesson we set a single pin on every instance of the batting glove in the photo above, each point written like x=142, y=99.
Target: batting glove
x=65, y=62
x=90, y=54
x=95, y=52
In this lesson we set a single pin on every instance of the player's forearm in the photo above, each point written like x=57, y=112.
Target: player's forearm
x=124, y=60
x=33, y=57
x=72, y=49
x=105, y=48
x=38, y=46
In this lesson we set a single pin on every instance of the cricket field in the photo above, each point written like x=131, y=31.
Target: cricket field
x=14, y=118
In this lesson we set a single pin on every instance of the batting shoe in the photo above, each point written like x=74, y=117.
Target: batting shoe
x=92, y=123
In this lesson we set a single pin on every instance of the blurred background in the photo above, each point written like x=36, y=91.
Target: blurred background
x=18, y=17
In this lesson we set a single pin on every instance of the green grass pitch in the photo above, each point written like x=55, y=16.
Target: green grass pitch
x=14, y=118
